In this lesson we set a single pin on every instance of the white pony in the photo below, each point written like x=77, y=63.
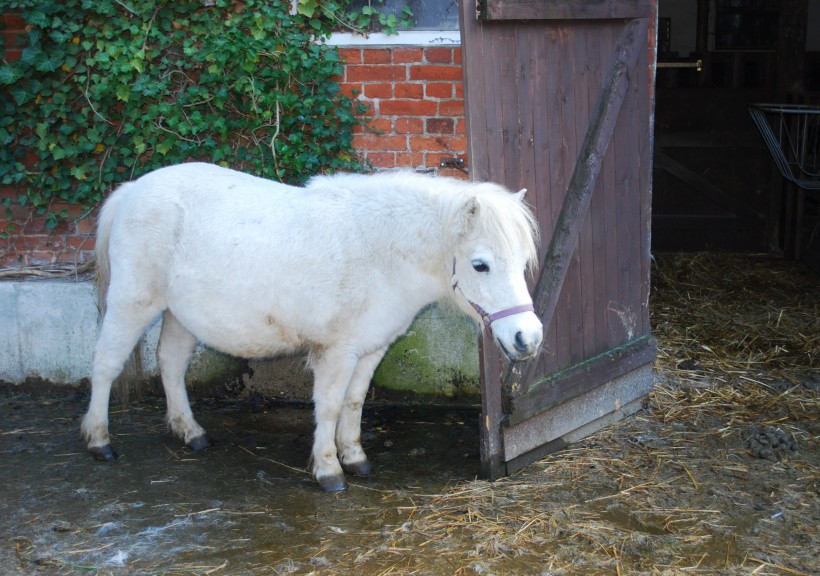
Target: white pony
x=339, y=268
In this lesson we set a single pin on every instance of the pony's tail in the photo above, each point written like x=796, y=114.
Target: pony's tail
x=132, y=373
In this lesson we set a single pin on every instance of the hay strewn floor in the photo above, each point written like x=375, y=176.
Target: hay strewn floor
x=719, y=475
x=681, y=488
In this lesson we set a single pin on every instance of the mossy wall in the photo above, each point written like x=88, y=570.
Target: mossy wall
x=438, y=356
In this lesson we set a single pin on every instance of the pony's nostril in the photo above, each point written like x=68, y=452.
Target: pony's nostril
x=520, y=344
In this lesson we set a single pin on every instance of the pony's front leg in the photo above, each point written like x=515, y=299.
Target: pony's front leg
x=332, y=372
x=348, y=431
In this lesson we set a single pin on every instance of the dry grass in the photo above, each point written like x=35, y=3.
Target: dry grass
x=675, y=489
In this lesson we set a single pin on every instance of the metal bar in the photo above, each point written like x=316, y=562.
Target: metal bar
x=696, y=64
x=794, y=146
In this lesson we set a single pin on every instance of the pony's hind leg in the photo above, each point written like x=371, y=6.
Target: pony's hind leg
x=348, y=431
x=176, y=347
x=120, y=332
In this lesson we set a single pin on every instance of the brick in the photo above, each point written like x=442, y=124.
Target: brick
x=80, y=243
x=429, y=143
x=439, y=90
x=85, y=226
x=453, y=173
x=350, y=55
x=409, y=90
x=350, y=89
x=38, y=258
x=72, y=210
x=376, y=55
x=13, y=55
x=451, y=108
x=440, y=125
x=459, y=88
x=72, y=257
x=369, y=142
x=409, y=126
x=409, y=159
x=452, y=144
x=461, y=126
x=14, y=22
x=407, y=55
x=438, y=55
x=375, y=73
x=379, y=124
x=378, y=90
x=433, y=72
x=382, y=159
x=408, y=108
x=457, y=55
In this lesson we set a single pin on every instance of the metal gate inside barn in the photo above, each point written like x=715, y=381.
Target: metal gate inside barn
x=558, y=101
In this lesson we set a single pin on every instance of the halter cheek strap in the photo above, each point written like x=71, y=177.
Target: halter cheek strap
x=486, y=316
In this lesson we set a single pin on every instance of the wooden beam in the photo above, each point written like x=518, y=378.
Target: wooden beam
x=492, y=445
x=561, y=9
x=576, y=201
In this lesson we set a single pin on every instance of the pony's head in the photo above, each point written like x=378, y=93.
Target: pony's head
x=496, y=245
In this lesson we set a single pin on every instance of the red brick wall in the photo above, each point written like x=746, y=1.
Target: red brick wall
x=416, y=101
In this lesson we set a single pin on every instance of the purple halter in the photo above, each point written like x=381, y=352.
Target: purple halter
x=486, y=316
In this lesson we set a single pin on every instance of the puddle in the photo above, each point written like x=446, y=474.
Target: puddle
x=243, y=506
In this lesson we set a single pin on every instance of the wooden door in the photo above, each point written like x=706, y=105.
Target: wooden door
x=558, y=101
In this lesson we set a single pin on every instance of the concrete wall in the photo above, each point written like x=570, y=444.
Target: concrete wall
x=48, y=329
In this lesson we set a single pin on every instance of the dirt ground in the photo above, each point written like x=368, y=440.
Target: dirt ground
x=719, y=474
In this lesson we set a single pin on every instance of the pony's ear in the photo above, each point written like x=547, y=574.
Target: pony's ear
x=469, y=213
x=520, y=194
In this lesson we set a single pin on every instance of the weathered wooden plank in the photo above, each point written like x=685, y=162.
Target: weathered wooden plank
x=559, y=387
x=508, y=66
x=585, y=89
x=568, y=423
x=492, y=413
x=576, y=201
x=603, y=232
x=561, y=9
x=644, y=128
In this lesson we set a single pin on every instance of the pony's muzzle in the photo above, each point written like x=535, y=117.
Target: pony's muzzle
x=526, y=345
x=521, y=340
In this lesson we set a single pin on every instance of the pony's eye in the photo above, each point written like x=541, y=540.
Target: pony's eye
x=480, y=266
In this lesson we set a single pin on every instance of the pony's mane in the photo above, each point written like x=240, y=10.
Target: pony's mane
x=507, y=221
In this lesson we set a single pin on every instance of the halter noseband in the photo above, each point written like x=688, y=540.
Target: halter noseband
x=486, y=316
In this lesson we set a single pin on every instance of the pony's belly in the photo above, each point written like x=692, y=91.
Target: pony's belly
x=257, y=336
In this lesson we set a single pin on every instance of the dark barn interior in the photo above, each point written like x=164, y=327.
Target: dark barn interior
x=715, y=183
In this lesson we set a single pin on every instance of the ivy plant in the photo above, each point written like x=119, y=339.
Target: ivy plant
x=106, y=90
x=360, y=16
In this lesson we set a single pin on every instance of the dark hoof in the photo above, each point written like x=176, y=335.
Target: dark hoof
x=200, y=443
x=362, y=468
x=103, y=453
x=332, y=484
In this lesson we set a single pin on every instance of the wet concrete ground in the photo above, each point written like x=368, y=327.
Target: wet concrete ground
x=245, y=506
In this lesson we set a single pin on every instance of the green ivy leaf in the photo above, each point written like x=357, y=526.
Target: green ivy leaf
x=9, y=74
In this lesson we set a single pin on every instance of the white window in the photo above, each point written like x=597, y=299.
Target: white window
x=434, y=23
